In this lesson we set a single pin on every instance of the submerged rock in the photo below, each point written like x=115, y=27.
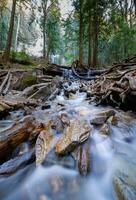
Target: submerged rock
x=124, y=181
x=105, y=130
x=123, y=191
x=76, y=133
x=84, y=159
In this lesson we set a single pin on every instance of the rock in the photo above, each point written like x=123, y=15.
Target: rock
x=21, y=149
x=56, y=183
x=43, y=197
x=124, y=181
x=25, y=81
x=76, y=133
x=107, y=113
x=84, y=159
x=44, y=144
x=102, y=117
x=65, y=161
x=13, y=165
x=105, y=130
x=123, y=191
x=113, y=120
x=98, y=120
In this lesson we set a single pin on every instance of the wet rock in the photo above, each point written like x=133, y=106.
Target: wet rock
x=13, y=165
x=124, y=181
x=21, y=149
x=105, y=130
x=45, y=143
x=102, y=117
x=123, y=191
x=76, y=133
x=113, y=120
x=43, y=197
x=84, y=159
x=98, y=120
x=56, y=183
x=65, y=161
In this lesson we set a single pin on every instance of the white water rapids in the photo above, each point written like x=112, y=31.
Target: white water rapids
x=112, y=157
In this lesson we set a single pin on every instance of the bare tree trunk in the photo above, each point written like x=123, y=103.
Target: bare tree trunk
x=10, y=32
x=81, y=36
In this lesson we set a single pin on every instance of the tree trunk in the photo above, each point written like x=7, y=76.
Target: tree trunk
x=44, y=7
x=17, y=31
x=10, y=32
x=44, y=35
x=135, y=6
x=81, y=35
x=90, y=40
x=95, y=35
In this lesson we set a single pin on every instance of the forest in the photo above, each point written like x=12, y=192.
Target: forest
x=67, y=99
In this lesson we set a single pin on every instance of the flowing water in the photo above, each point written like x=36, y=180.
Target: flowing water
x=113, y=161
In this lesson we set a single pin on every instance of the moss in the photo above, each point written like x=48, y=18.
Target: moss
x=25, y=81
x=20, y=57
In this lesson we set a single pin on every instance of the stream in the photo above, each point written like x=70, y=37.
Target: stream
x=112, y=157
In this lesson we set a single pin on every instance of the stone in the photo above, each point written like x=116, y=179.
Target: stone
x=113, y=120
x=105, y=130
x=76, y=133
x=102, y=117
x=98, y=120
x=122, y=190
x=45, y=143
x=84, y=159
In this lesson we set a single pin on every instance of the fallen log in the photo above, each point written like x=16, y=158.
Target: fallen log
x=18, y=133
x=90, y=75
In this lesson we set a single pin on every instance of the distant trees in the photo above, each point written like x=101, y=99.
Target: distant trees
x=106, y=30
x=50, y=25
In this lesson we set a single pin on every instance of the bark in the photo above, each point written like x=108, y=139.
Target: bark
x=44, y=7
x=17, y=30
x=95, y=40
x=135, y=6
x=90, y=41
x=10, y=32
x=81, y=35
x=15, y=135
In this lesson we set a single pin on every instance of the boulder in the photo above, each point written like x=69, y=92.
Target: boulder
x=76, y=133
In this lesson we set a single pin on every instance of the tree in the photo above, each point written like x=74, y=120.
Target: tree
x=50, y=21
x=10, y=32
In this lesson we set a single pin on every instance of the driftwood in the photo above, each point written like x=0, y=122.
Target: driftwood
x=89, y=75
x=15, y=135
x=5, y=81
x=117, y=86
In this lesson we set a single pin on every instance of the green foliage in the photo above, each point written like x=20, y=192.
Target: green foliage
x=20, y=57
x=25, y=81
